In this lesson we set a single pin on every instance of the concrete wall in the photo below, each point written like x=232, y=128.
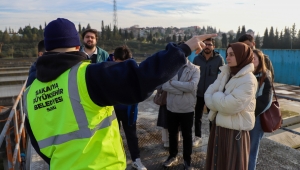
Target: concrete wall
x=286, y=64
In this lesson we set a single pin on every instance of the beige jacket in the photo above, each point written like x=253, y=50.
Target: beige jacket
x=236, y=106
x=181, y=94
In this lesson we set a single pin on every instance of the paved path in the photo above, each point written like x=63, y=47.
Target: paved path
x=272, y=156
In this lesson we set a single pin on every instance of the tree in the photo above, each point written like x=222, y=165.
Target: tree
x=280, y=40
x=120, y=32
x=20, y=31
x=15, y=38
x=257, y=41
x=25, y=38
x=179, y=38
x=218, y=43
x=174, y=38
x=102, y=30
x=286, y=39
x=271, y=40
x=168, y=39
x=5, y=37
x=139, y=36
x=276, y=39
x=293, y=32
x=115, y=32
x=238, y=34
x=185, y=38
x=149, y=37
x=108, y=33
x=154, y=41
x=11, y=51
x=79, y=28
x=126, y=35
x=83, y=29
x=131, y=36
x=243, y=30
x=168, y=31
x=266, y=39
x=224, y=40
x=88, y=26
x=230, y=39
x=297, y=44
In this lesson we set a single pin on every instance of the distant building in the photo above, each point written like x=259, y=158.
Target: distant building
x=17, y=34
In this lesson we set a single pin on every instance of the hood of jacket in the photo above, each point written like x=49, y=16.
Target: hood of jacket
x=53, y=64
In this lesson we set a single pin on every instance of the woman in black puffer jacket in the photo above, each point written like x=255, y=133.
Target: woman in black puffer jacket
x=263, y=102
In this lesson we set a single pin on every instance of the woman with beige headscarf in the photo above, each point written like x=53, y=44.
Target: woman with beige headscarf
x=231, y=100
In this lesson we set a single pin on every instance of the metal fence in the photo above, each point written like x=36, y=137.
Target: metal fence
x=14, y=134
x=285, y=62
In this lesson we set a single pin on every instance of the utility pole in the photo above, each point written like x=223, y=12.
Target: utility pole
x=115, y=14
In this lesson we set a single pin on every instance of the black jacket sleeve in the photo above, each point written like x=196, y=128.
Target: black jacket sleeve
x=128, y=83
x=263, y=100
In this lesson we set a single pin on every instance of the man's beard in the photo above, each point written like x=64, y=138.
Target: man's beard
x=86, y=45
x=207, y=51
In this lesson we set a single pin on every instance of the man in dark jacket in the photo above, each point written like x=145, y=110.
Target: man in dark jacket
x=209, y=62
x=90, y=48
x=106, y=83
x=249, y=40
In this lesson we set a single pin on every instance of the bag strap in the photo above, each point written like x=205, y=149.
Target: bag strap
x=274, y=91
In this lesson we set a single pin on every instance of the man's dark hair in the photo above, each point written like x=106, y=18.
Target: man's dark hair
x=41, y=46
x=90, y=30
x=246, y=37
x=122, y=53
x=210, y=39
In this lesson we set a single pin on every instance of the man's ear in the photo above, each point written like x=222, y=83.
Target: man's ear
x=40, y=54
x=77, y=48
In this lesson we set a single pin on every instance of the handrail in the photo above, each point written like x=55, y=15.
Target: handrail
x=18, y=117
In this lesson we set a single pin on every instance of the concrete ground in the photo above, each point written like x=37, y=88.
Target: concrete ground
x=272, y=155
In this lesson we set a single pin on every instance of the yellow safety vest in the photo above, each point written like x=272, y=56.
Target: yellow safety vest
x=70, y=128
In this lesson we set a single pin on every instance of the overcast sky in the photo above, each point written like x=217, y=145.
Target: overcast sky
x=224, y=15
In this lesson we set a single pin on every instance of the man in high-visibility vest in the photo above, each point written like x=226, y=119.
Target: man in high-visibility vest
x=69, y=105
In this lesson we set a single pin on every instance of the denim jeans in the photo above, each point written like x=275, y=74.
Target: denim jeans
x=256, y=135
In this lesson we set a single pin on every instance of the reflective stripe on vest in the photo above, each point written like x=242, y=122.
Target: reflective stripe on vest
x=80, y=116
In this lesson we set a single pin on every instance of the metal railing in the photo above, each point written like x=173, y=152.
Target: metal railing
x=15, y=122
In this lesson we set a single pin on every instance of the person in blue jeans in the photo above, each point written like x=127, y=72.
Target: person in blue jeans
x=127, y=114
x=263, y=101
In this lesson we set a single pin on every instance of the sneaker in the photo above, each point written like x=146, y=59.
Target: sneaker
x=170, y=161
x=196, y=141
x=166, y=144
x=187, y=166
x=137, y=164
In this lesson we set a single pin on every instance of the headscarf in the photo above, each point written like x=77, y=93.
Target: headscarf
x=243, y=55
